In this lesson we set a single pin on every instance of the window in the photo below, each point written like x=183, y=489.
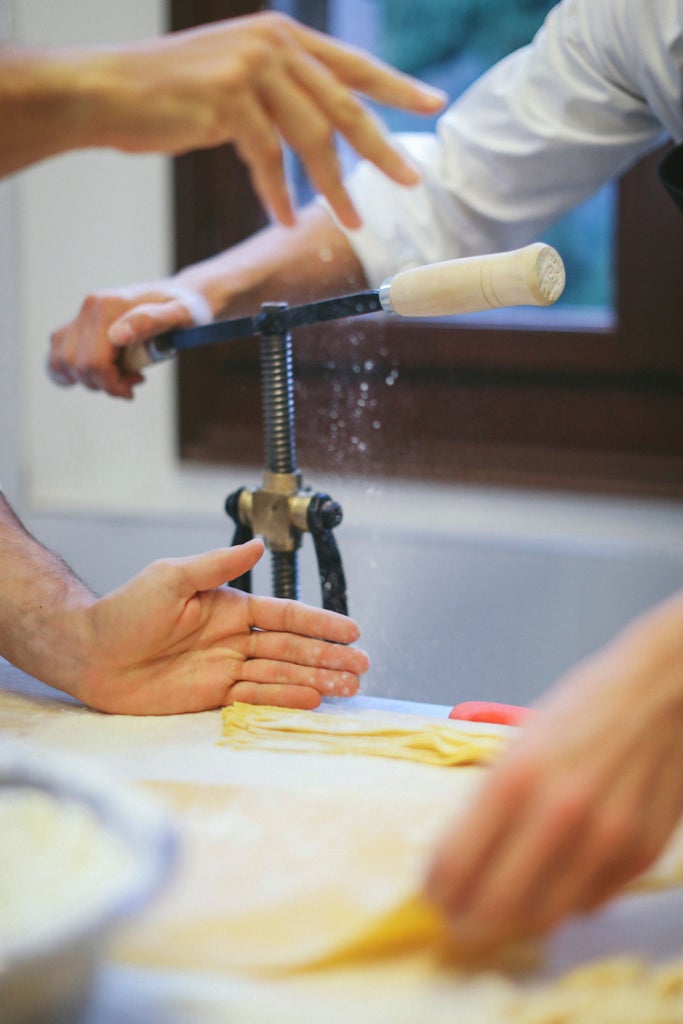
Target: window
x=458, y=40
x=591, y=403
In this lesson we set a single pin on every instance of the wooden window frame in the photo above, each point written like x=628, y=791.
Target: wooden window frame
x=587, y=409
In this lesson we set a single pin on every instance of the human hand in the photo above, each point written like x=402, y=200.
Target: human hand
x=256, y=81
x=174, y=640
x=86, y=349
x=275, y=262
x=582, y=801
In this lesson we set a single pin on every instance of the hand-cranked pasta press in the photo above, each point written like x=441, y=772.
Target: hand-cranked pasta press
x=282, y=509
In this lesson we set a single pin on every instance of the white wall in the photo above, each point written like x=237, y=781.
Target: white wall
x=462, y=592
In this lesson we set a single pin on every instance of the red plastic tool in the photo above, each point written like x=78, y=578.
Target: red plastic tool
x=489, y=711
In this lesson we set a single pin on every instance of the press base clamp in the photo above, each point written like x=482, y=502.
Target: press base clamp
x=281, y=511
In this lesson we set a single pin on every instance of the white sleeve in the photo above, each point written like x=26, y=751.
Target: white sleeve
x=599, y=86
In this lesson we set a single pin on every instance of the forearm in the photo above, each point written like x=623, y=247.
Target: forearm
x=47, y=99
x=310, y=261
x=41, y=608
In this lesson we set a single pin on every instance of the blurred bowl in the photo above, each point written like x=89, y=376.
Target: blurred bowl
x=79, y=854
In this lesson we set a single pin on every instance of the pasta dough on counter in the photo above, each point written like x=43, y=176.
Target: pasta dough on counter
x=280, y=878
x=274, y=880
x=617, y=991
x=374, y=734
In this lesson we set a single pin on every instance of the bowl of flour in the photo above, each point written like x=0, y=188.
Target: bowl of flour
x=79, y=855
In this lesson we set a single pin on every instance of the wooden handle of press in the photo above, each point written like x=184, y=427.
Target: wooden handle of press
x=532, y=276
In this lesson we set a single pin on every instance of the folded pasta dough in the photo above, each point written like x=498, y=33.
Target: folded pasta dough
x=372, y=733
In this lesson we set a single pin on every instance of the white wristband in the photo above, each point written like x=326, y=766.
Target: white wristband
x=195, y=303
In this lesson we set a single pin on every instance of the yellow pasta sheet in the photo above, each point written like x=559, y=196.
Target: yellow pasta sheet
x=283, y=878
x=370, y=734
x=273, y=880
x=279, y=878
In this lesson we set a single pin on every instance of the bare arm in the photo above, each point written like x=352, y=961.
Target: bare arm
x=171, y=640
x=43, y=606
x=256, y=81
x=311, y=260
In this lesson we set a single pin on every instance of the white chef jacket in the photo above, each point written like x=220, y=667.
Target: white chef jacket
x=600, y=85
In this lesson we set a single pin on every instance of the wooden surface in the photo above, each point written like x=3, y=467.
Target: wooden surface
x=185, y=749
